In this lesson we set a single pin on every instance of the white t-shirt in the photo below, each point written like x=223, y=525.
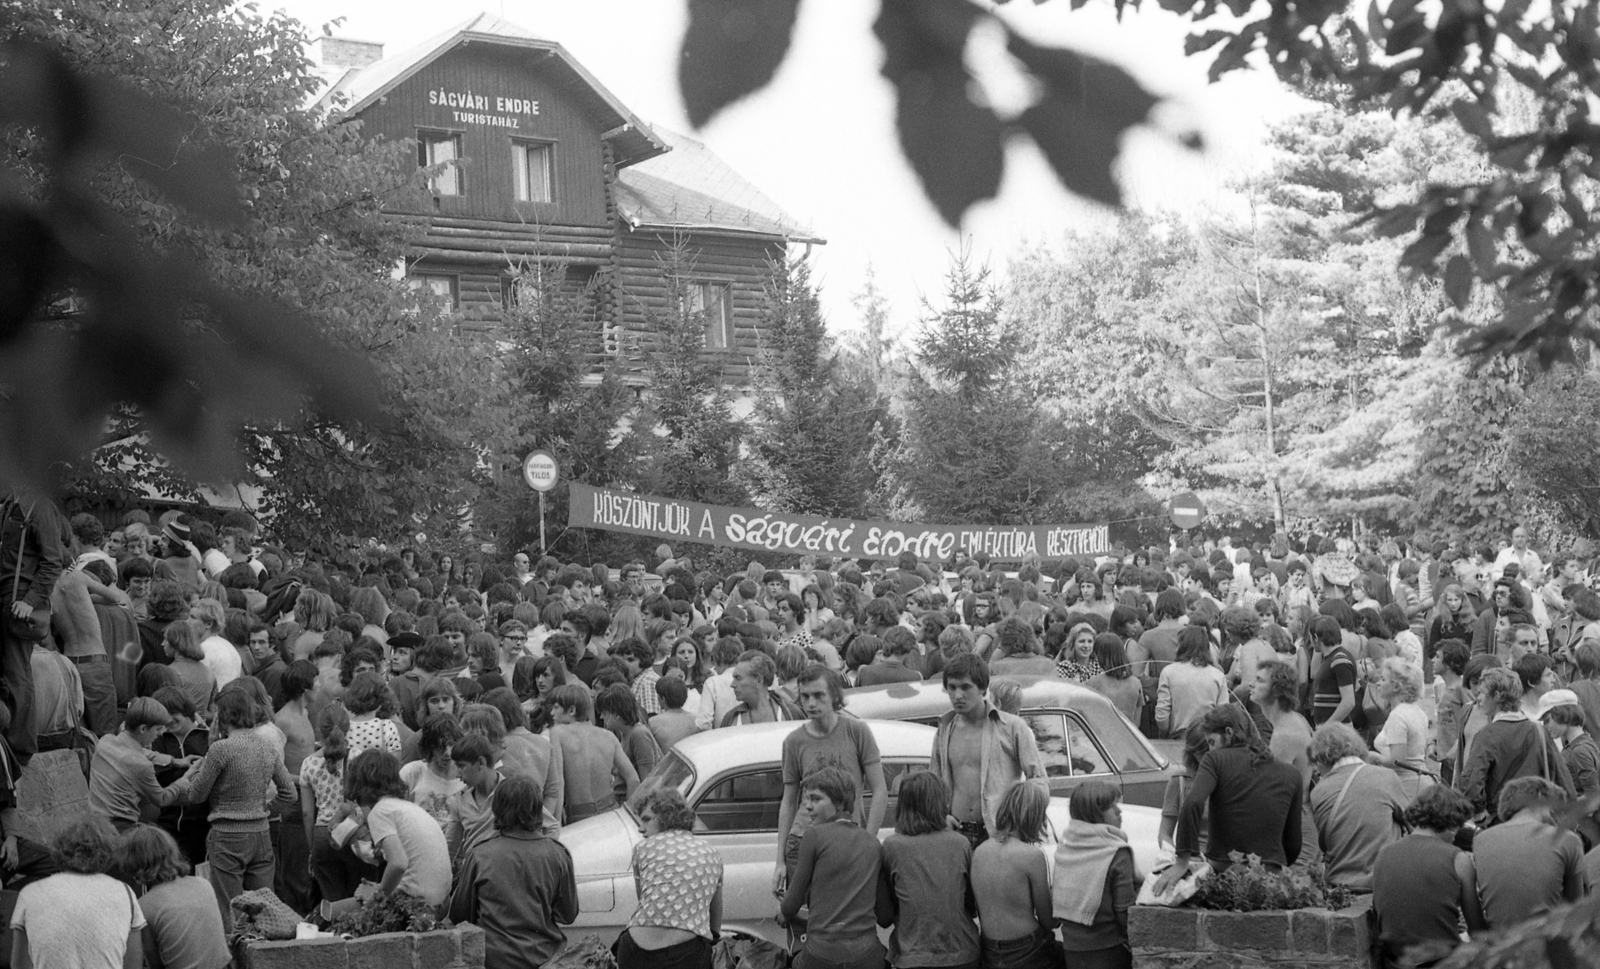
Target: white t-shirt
x=77, y=921
x=431, y=792
x=222, y=659
x=1405, y=735
x=427, y=854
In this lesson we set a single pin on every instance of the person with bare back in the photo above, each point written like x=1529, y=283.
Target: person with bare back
x=590, y=756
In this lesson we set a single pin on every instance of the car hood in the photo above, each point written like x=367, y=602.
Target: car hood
x=1141, y=824
x=603, y=844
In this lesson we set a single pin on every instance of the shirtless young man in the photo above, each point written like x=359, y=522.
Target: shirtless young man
x=1012, y=885
x=590, y=755
x=973, y=725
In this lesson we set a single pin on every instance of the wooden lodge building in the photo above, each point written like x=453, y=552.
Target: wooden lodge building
x=543, y=166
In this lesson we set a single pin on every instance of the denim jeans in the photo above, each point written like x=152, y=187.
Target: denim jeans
x=1038, y=951
x=240, y=861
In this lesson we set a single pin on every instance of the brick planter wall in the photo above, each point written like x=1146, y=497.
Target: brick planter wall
x=460, y=947
x=1192, y=938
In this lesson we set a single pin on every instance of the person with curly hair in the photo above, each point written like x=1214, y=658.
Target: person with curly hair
x=80, y=916
x=679, y=879
x=1356, y=805
x=1251, y=801
x=1402, y=743
x=183, y=929
x=1423, y=886
x=1510, y=746
x=518, y=885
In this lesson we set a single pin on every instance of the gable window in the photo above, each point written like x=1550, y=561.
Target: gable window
x=440, y=148
x=534, y=167
x=445, y=286
x=715, y=300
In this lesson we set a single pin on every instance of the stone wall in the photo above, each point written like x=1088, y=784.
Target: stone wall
x=1192, y=938
x=460, y=947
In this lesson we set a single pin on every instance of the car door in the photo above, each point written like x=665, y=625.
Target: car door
x=738, y=815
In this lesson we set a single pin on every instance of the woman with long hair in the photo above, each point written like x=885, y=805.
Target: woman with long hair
x=688, y=650
x=1116, y=681
x=626, y=623
x=1076, y=661
x=925, y=880
x=1453, y=618
x=1251, y=801
x=1189, y=685
x=314, y=613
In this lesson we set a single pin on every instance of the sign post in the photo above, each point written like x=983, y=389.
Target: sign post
x=1186, y=510
x=541, y=472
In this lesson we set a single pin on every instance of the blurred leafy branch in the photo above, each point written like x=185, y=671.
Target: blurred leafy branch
x=95, y=321
x=1524, y=227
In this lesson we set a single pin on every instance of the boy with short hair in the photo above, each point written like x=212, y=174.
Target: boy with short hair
x=837, y=876
x=471, y=810
x=673, y=723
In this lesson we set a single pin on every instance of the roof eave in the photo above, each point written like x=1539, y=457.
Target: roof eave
x=727, y=230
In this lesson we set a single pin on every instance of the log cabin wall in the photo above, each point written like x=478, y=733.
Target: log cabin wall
x=495, y=97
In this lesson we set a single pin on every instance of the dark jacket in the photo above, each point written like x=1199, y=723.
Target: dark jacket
x=35, y=529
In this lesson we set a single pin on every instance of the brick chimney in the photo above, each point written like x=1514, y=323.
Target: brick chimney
x=342, y=53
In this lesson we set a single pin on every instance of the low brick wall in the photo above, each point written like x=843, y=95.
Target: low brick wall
x=1192, y=938
x=460, y=947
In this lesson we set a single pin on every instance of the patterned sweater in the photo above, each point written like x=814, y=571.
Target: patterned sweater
x=234, y=775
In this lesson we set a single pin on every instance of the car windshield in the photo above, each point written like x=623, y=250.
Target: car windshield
x=672, y=771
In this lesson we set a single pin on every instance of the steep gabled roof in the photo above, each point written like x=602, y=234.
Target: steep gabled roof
x=690, y=188
x=631, y=138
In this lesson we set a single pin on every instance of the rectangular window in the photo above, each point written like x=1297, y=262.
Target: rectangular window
x=715, y=300
x=439, y=148
x=534, y=164
x=445, y=286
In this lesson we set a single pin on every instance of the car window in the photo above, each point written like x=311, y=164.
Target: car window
x=1065, y=745
x=894, y=771
x=747, y=801
x=1127, y=750
x=671, y=772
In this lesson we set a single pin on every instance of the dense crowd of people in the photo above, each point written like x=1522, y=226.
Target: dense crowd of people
x=1418, y=720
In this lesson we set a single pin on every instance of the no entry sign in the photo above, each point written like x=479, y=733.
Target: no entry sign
x=1187, y=510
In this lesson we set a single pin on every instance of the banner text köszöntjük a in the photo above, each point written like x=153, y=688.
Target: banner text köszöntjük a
x=672, y=519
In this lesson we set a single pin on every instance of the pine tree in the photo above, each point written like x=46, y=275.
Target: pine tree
x=811, y=435
x=974, y=446
x=693, y=435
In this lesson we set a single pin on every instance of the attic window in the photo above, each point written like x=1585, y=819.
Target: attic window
x=441, y=148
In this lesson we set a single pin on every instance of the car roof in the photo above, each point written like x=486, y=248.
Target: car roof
x=760, y=743
x=928, y=697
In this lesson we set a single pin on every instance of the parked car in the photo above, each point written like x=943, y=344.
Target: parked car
x=732, y=778
x=1080, y=733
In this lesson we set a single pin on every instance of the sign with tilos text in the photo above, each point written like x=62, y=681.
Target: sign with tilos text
x=669, y=518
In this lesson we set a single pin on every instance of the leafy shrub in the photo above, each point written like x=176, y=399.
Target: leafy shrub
x=394, y=912
x=585, y=953
x=1250, y=886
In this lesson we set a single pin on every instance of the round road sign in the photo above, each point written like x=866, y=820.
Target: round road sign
x=1187, y=510
x=540, y=471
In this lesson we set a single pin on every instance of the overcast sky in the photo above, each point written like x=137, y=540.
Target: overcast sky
x=820, y=139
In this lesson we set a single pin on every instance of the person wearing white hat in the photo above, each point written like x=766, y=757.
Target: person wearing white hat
x=1563, y=716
